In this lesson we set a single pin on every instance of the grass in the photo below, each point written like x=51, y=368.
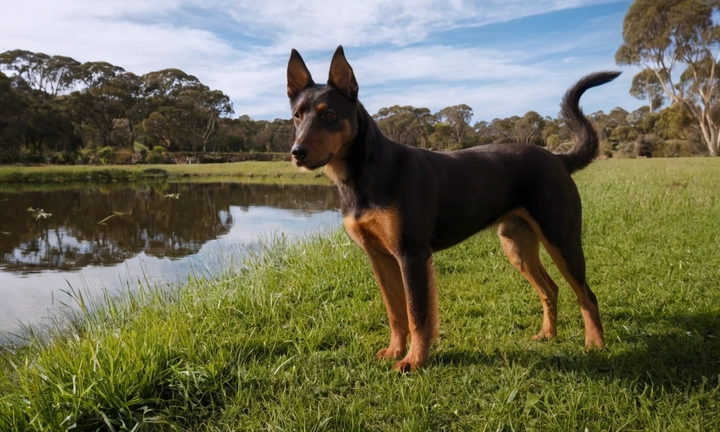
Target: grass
x=286, y=340
x=246, y=172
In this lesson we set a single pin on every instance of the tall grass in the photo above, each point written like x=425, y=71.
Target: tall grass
x=285, y=341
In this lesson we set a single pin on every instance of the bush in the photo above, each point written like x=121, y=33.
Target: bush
x=124, y=156
x=679, y=148
x=105, y=156
x=645, y=145
x=155, y=158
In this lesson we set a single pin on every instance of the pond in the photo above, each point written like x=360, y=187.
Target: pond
x=94, y=239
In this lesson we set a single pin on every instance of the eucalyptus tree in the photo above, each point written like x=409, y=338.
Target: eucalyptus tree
x=406, y=124
x=529, y=129
x=13, y=106
x=185, y=112
x=678, y=41
x=457, y=118
x=107, y=103
x=53, y=75
x=646, y=85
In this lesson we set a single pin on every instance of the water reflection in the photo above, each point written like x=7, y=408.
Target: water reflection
x=110, y=237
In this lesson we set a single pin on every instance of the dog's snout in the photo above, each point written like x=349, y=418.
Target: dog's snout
x=299, y=152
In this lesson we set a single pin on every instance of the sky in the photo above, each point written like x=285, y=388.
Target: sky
x=500, y=57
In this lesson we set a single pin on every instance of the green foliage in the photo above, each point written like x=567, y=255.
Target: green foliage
x=662, y=36
x=155, y=158
x=529, y=129
x=285, y=339
x=646, y=85
x=43, y=121
x=406, y=124
x=105, y=156
x=124, y=156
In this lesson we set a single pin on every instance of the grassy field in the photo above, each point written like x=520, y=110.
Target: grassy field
x=246, y=172
x=287, y=341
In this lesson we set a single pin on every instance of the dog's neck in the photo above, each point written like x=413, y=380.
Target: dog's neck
x=369, y=146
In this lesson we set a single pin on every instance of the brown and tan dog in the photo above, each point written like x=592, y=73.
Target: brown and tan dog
x=402, y=203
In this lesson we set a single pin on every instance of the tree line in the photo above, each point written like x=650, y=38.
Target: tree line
x=54, y=108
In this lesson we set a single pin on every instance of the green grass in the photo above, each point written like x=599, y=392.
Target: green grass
x=287, y=341
x=246, y=172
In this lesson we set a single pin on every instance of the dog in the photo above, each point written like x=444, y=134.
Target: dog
x=401, y=203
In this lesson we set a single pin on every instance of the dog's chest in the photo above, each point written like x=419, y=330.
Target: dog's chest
x=378, y=229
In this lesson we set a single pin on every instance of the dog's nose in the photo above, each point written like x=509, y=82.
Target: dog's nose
x=299, y=152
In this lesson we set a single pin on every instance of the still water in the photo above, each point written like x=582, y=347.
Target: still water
x=107, y=239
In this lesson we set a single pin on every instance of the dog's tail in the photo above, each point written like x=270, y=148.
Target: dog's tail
x=586, y=139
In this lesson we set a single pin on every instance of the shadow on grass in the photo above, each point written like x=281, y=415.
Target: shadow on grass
x=682, y=353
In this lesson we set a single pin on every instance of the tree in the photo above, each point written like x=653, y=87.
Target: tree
x=52, y=75
x=673, y=123
x=441, y=138
x=529, y=128
x=663, y=36
x=483, y=132
x=645, y=85
x=187, y=111
x=457, y=118
x=405, y=124
x=502, y=129
x=13, y=105
x=107, y=103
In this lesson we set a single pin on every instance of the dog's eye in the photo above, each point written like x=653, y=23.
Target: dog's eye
x=297, y=114
x=330, y=115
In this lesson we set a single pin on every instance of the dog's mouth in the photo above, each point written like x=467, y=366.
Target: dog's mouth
x=311, y=166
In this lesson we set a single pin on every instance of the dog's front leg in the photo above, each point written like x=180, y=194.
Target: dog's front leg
x=422, y=307
x=389, y=279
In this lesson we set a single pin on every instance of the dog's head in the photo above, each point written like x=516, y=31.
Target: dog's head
x=325, y=116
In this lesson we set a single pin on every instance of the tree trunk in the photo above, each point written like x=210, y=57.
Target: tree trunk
x=131, y=130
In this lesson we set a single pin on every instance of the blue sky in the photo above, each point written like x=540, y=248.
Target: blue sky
x=501, y=57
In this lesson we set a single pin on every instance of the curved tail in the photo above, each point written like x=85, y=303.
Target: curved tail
x=586, y=139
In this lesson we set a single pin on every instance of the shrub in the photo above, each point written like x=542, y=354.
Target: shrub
x=124, y=156
x=105, y=156
x=645, y=145
x=155, y=158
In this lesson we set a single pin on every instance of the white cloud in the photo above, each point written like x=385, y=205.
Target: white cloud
x=395, y=47
x=317, y=25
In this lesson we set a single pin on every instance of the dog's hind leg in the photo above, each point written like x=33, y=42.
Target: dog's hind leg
x=389, y=279
x=522, y=247
x=570, y=260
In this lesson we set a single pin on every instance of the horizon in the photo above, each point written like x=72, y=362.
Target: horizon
x=502, y=58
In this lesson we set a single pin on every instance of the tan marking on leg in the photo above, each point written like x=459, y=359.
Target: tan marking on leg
x=594, y=334
x=422, y=334
x=379, y=229
x=522, y=247
x=378, y=233
x=389, y=279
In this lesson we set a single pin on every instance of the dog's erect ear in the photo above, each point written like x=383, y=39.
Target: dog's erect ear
x=341, y=74
x=298, y=75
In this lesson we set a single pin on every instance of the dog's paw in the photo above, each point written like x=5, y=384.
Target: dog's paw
x=410, y=362
x=404, y=366
x=390, y=353
x=594, y=345
x=542, y=336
